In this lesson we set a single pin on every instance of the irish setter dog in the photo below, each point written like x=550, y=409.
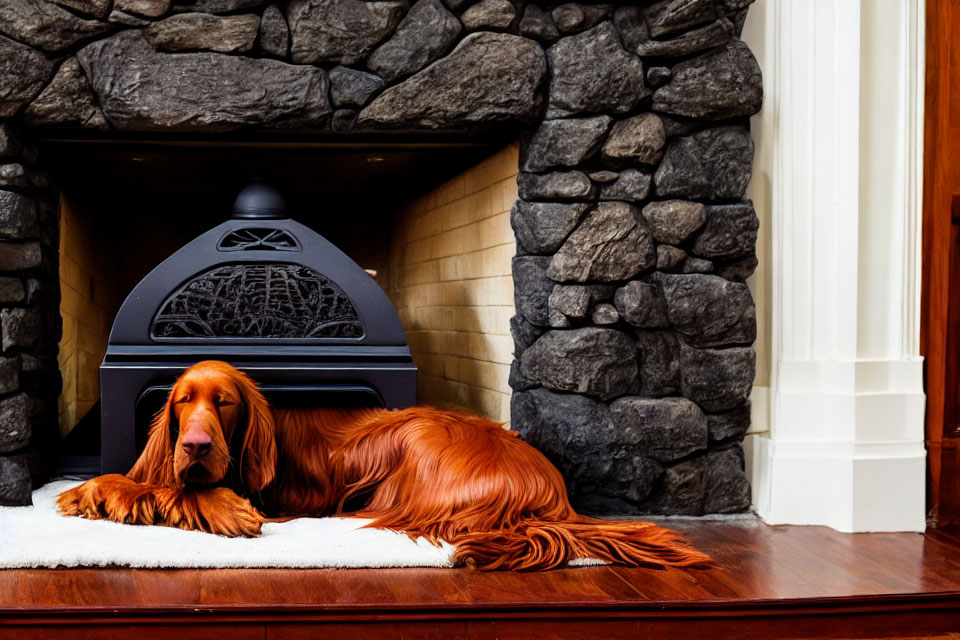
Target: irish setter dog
x=216, y=445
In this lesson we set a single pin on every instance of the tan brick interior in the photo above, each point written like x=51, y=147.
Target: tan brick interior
x=87, y=307
x=450, y=279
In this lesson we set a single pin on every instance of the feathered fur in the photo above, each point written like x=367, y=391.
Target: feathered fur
x=431, y=473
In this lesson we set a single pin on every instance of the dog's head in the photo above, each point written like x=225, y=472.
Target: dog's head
x=214, y=417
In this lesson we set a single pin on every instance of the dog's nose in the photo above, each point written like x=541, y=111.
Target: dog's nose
x=196, y=443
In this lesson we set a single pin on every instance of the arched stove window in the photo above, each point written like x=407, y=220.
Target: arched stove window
x=257, y=300
x=258, y=239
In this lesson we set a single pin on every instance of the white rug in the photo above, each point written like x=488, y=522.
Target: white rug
x=39, y=536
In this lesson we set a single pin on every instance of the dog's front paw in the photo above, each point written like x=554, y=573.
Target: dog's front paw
x=217, y=510
x=111, y=497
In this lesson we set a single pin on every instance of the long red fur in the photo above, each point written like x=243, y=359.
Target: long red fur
x=441, y=475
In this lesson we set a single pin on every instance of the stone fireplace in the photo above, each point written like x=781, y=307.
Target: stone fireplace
x=626, y=355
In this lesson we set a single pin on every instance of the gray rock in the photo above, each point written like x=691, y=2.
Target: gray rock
x=612, y=243
x=572, y=16
x=205, y=32
x=67, y=100
x=454, y=4
x=673, y=221
x=343, y=120
x=538, y=24
x=641, y=305
x=713, y=164
x=631, y=185
x=9, y=375
x=339, y=31
x=215, y=6
x=127, y=19
x=11, y=289
x=603, y=177
x=274, y=33
x=730, y=232
x=541, y=227
x=94, y=8
x=15, y=481
x=15, y=256
x=46, y=26
x=563, y=143
x=707, y=310
x=516, y=380
x=727, y=489
x=637, y=139
x=23, y=73
x=523, y=333
x=15, y=175
x=669, y=258
x=21, y=328
x=425, y=33
x=140, y=89
x=571, y=301
x=737, y=269
x=30, y=363
x=146, y=8
x=717, y=379
x=636, y=36
x=18, y=216
x=729, y=425
x=595, y=462
x=669, y=16
x=657, y=76
x=352, y=88
x=559, y=185
x=14, y=422
x=488, y=77
x=489, y=14
x=532, y=288
x=696, y=265
x=9, y=143
x=658, y=355
x=665, y=429
x=682, y=489
x=604, y=314
x=597, y=362
x=591, y=72
x=722, y=83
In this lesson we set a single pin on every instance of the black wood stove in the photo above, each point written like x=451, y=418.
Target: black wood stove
x=269, y=296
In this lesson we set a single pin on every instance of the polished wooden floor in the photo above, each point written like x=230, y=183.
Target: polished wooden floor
x=778, y=582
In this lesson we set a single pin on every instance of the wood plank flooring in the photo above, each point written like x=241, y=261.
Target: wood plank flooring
x=787, y=581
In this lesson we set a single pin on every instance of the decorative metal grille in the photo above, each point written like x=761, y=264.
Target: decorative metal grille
x=258, y=239
x=258, y=300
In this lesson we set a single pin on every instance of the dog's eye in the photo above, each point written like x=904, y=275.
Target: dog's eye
x=181, y=400
x=224, y=402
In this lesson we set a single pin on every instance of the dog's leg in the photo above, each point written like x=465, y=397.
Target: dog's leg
x=215, y=510
x=111, y=497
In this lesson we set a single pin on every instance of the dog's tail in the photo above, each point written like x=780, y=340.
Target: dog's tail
x=536, y=545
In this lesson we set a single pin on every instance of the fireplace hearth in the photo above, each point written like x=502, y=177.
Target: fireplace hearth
x=633, y=326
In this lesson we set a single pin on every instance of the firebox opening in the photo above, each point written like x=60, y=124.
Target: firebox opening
x=432, y=220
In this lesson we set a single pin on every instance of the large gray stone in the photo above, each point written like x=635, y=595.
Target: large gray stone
x=612, y=243
x=558, y=185
x=578, y=435
x=730, y=232
x=669, y=258
x=673, y=221
x=204, y=32
x=665, y=429
x=717, y=379
x=15, y=256
x=46, y=26
x=636, y=36
x=67, y=100
x=11, y=289
x=489, y=77
x=632, y=185
x=20, y=328
x=666, y=17
x=14, y=423
x=682, y=489
x=727, y=489
x=339, y=31
x=707, y=310
x=574, y=16
x=425, y=33
x=563, y=143
x=351, y=88
x=641, y=305
x=146, y=8
x=637, y=139
x=18, y=217
x=658, y=355
x=142, y=90
x=274, y=33
x=532, y=288
x=93, y=8
x=538, y=24
x=9, y=374
x=597, y=362
x=729, y=425
x=15, y=481
x=720, y=84
x=591, y=72
x=23, y=73
x=569, y=301
x=523, y=332
x=489, y=14
x=713, y=164
x=541, y=227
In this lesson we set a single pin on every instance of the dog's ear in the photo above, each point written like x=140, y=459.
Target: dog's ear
x=258, y=460
x=155, y=464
